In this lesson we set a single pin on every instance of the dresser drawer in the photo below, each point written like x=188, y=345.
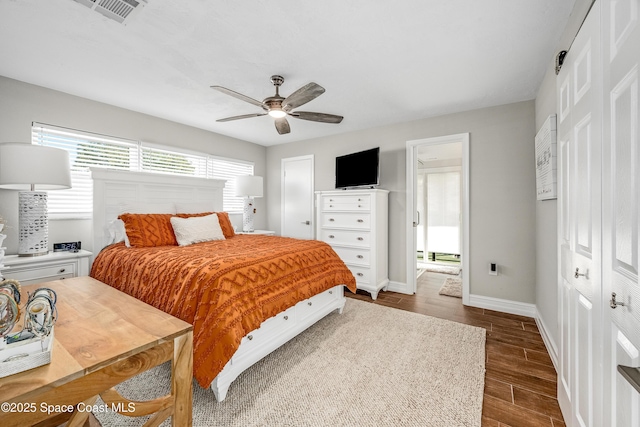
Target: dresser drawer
x=346, y=237
x=353, y=255
x=346, y=203
x=347, y=220
x=362, y=274
x=27, y=276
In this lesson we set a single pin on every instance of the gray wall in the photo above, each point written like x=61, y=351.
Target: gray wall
x=546, y=225
x=22, y=103
x=502, y=176
x=546, y=211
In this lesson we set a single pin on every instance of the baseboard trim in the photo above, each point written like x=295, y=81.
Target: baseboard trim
x=503, y=305
x=552, y=348
x=401, y=288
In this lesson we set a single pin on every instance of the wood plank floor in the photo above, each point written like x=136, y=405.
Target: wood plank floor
x=520, y=380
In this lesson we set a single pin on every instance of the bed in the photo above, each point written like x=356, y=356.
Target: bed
x=245, y=295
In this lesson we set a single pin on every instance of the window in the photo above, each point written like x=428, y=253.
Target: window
x=89, y=150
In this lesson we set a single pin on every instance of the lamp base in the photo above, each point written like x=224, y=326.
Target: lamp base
x=247, y=215
x=33, y=220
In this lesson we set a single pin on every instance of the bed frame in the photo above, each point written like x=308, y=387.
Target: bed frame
x=114, y=192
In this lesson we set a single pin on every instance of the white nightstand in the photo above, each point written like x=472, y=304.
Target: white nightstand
x=45, y=268
x=265, y=232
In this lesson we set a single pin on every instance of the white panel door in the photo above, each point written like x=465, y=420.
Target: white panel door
x=579, y=285
x=297, y=197
x=621, y=202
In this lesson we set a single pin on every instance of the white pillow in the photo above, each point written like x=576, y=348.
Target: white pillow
x=117, y=232
x=196, y=229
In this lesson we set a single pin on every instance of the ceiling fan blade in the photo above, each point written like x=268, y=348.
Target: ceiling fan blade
x=244, y=116
x=282, y=126
x=317, y=117
x=237, y=95
x=303, y=95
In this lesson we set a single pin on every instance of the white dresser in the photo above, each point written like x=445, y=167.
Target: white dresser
x=355, y=224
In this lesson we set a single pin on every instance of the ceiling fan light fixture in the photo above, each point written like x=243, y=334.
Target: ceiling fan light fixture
x=277, y=113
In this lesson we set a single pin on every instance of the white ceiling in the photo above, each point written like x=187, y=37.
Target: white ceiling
x=381, y=62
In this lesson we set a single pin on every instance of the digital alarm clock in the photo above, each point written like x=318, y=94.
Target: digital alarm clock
x=67, y=247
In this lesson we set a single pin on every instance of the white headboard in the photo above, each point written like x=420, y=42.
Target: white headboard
x=114, y=191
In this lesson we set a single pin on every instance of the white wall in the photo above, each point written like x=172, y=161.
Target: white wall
x=22, y=103
x=502, y=176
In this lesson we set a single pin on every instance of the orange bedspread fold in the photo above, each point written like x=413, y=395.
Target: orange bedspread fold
x=224, y=288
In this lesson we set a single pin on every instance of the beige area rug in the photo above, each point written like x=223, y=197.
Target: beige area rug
x=437, y=268
x=370, y=366
x=452, y=287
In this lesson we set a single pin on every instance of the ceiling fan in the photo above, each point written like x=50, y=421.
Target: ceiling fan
x=280, y=107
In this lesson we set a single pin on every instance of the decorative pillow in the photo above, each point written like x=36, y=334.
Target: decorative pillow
x=117, y=233
x=225, y=224
x=196, y=229
x=147, y=230
x=223, y=218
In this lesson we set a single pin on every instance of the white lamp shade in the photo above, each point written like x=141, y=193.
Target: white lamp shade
x=24, y=165
x=249, y=186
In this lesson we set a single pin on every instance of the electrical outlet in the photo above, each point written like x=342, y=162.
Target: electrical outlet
x=493, y=269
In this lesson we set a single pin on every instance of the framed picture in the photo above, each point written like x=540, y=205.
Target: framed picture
x=546, y=160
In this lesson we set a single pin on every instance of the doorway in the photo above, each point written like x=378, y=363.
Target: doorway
x=437, y=211
x=297, y=197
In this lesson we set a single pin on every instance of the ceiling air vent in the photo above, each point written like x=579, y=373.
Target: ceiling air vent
x=118, y=10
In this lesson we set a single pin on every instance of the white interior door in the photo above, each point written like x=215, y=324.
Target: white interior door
x=580, y=299
x=621, y=56
x=297, y=197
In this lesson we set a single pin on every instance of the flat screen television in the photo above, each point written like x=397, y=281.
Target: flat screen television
x=359, y=169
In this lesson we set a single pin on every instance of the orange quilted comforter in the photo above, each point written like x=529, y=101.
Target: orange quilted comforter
x=224, y=288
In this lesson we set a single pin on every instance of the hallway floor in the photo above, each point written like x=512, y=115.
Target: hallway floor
x=520, y=380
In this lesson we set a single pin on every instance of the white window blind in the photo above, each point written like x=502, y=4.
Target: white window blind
x=85, y=150
x=156, y=159
x=90, y=150
x=228, y=169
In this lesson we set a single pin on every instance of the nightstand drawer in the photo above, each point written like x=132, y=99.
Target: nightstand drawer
x=42, y=273
x=347, y=220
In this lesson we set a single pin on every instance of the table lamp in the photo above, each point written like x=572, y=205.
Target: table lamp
x=248, y=186
x=32, y=169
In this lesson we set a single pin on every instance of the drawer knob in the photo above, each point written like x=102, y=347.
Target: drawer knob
x=360, y=257
x=330, y=206
x=330, y=292
x=331, y=200
x=359, y=206
x=62, y=270
x=361, y=238
x=286, y=317
x=359, y=200
x=310, y=303
x=361, y=220
x=249, y=337
x=331, y=219
x=360, y=274
x=331, y=236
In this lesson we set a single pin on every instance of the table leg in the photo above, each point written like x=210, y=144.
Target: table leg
x=182, y=380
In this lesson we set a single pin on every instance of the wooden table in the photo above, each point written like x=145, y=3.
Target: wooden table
x=102, y=337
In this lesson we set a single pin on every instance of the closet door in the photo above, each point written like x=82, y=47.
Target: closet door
x=579, y=153
x=621, y=187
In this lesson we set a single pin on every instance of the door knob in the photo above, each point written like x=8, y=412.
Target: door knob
x=578, y=274
x=306, y=222
x=613, y=303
